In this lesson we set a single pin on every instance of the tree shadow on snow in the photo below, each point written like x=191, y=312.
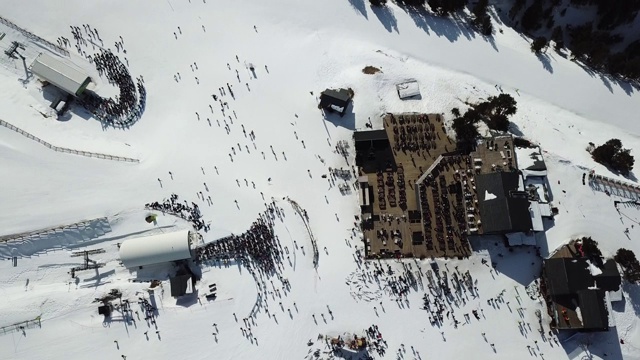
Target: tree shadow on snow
x=386, y=17
x=515, y=129
x=630, y=176
x=546, y=62
x=449, y=27
x=360, y=7
x=608, y=80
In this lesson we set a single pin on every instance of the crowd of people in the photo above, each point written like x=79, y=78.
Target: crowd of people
x=126, y=108
x=447, y=204
x=414, y=132
x=445, y=291
x=175, y=207
x=258, y=247
x=377, y=343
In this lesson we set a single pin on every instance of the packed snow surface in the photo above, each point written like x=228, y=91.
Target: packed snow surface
x=297, y=48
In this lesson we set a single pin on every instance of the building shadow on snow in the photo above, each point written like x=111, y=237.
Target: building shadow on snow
x=360, y=7
x=347, y=121
x=633, y=294
x=541, y=238
x=386, y=17
x=80, y=111
x=224, y=263
x=188, y=299
x=597, y=345
x=520, y=263
x=342, y=353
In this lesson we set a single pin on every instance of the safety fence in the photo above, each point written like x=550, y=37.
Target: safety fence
x=66, y=150
x=102, y=222
x=305, y=220
x=33, y=36
x=21, y=326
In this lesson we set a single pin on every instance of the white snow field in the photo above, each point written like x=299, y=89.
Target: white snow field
x=299, y=48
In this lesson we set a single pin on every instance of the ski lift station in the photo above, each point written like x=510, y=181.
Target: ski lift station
x=60, y=73
x=156, y=249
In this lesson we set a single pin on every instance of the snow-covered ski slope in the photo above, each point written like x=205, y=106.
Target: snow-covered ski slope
x=298, y=48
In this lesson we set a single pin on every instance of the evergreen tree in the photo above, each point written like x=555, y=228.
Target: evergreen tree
x=623, y=161
x=466, y=131
x=480, y=8
x=532, y=16
x=627, y=259
x=539, y=44
x=498, y=122
x=558, y=38
x=518, y=5
x=590, y=247
x=504, y=104
x=613, y=155
x=378, y=2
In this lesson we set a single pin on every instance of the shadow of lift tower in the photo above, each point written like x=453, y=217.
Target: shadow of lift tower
x=88, y=263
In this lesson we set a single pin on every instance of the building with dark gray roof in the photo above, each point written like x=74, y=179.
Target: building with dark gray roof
x=573, y=283
x=609, y=279
x=503, y=208
x=567, y=276
x=593, y=310
x=335, y=100
x=373, y=150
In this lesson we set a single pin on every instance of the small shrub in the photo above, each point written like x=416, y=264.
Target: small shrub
x=370, y=70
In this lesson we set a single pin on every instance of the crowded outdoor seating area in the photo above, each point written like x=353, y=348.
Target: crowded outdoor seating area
x=443, y=209
x=447, y=197
x=416, y=141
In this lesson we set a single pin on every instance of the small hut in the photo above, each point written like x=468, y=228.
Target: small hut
x=335, y=100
